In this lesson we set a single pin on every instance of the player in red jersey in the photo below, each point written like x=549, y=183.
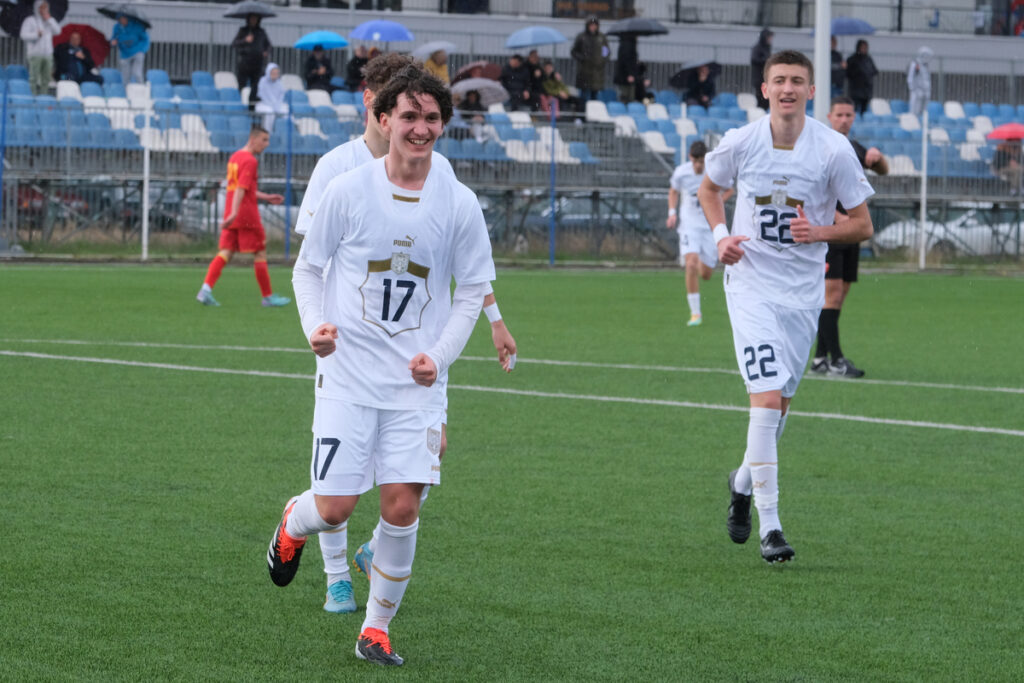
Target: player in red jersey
x=241, y=230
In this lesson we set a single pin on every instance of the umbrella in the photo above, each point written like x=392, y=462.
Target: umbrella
x=534, y=35
x=328, y=40
x=850, y=26
x=478, y=69
x=491, y=92
x=426, y=49
x=14, y=14
x=241, y=10
x=382, y=30
x=637, y=26
x=681, y=79
x=1007, y=131
x=92, y=40
x=130, y=11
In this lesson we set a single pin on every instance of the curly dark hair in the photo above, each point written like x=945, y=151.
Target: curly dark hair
x=412, y=81
x=379, y=70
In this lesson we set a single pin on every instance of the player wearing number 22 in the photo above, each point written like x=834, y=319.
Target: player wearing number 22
x=385, y=328
x=789, y=172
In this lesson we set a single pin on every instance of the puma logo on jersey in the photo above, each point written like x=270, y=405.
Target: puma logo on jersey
x=407, y=242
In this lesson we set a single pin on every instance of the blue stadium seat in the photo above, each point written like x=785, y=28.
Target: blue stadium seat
x=336, y=139
x=325, y=113
x=505, y=131
x=281, y=128
x=608, y=95
x=498, y=117
x=229, y=94
x=449, y=147
x=185, y=93
x=216, y=122
x=988, y=109
x=300, y=111
x=222, y=140
x=51, y=118
x=673, y=140
x=616, y=108
x=80, y=137
x=333, y=127
x=46, y=100
x=110, y=76
x=664, y=126
x=342, y=97
x=126, y=139
x=55, y=137
x=900, y=134
x=22, y=136
x=202, y=79
x=19, y=87
x=114, y=90
x=738, y=115
x=207, y=93
x=239, y=123
x=97, y=121
x=157, y=77
x=103, y=139
x=898, y=107
x=161, y=91
x=1007, y=111
x=526, y=134
x=636, y=110
x=957, y=135
x=237, y=106
x=165, y=106
x=493, y=151
x=338, y=82
x=883, y=133
x=971, y=109
x=471, y=149
x=15, y=72
x=675, y=111
x=1020, y=111
x=296, y=97
x=644, y=125
x=90, y=89
x=725, y=99
x=718, y=112
x=169, y=120
x=696, y=112
x=27, y=117
x=666, y=97
x=581, y=152
x=312, y=144
x=935, y=109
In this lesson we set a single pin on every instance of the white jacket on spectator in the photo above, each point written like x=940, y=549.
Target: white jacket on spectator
x=38, y=33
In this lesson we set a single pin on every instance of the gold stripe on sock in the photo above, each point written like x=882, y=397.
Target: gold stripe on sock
x=335, y=531
x=377, y=572
x=761, y=464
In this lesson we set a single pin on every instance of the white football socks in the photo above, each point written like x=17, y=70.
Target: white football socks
x=694, y=301
x=334, y=548
x=392, y=568
x=305, y=519
x=376, y=529
x=762, y=462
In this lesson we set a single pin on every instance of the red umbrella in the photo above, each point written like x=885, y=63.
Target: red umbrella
x=92, y=40
x=1007, y=131
x=478, y=69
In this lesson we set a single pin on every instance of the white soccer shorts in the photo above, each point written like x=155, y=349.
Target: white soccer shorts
x=356, y=446
x=772, y=342
x=699, y=241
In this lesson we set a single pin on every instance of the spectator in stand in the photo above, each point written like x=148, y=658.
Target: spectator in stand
x=37, y=31
x=536, y=74
x=838, y=69
x=759, y=54
x=642, y=84
x=861, y=72
x=72, y=61
x=555, y=92
x=472, y=110
x=132, y=43
x=515, y=78
x=1006, y=163
x=591, y=52
x=272, y=102
x=624, y=76
x=253, y=47
x=354, y=69
x=318, y=70
x=919, y=81
x=437, y=64
x=701, y=87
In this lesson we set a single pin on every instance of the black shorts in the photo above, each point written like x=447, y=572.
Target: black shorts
x=842, y=260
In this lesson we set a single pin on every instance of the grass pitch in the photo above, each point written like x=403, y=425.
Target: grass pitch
x=579, y=533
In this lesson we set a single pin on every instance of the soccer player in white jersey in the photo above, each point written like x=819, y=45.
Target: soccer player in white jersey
x=396, y=233
x=373, y=144
x=789, y=172
x=697, y=251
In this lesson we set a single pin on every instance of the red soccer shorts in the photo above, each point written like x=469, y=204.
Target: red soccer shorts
x=245, y=240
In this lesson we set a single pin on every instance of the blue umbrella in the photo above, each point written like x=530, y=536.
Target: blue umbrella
x=851, y=26
x=327, y=39
x=381, y=29
x=534, y=35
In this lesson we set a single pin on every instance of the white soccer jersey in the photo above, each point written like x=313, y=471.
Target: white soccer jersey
x=388, y=289
x=686, y=182
x=770, y=183
x=342, y=159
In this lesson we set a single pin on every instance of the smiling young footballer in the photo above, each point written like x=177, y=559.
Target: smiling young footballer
x=396, y=232
x=789, y=171
x=373, y=144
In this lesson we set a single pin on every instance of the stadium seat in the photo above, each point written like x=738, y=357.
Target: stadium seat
x=655, y=142
x=899, y=106
x=676, y=111
x=624, y=125
x=494, y=151
x=597, y=111
x=126, y=139
x=1007, y=111
x=696, y=112
x=318, y=98
x=636, y=110
x=448, y=147
x=336, y=139
x=746, y=101
x=472, y=149
x=296, y=97
x=673, y=140
x=52, y=118
x=982, y=123
x=185, y=93
x=97, y=121
x=644, y=125
x=971, y=109
x=988, y=109
x=292, y=82
x=222, y=140
x=325, y=112
x=111, y=76
x=70, y=103
x=225, y=79
x=342, y=97
x=581, y=151
x=608, y=95
x=228, y=95
x=15, y=72
x=664, y=126
x=338, y=82
x=616, y=108
x=718, y=112
x=975, y=136
x=114, y=90
x=207, y=93
x=953, y=109
x=157, y=77
x=332, y=126
x=161, y=91
x=909, y=122
x=657, y=112
x=26, y=117
x=93, y=103
x=938, y=135
x=686, y=127
x=525, y=134
x=666, y=97
x=79, y=136
x=1020, y=111
x=46, y=101
x=202, y=79
x=726, y=99
x=880, y=107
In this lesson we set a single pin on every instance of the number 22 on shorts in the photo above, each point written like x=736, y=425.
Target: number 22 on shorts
x=759, y=360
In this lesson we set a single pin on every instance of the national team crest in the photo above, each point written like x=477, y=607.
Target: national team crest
x=433, y=441
x=399, y=262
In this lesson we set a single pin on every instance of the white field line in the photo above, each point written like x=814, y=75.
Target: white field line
x=528, y=361
x=534, y=394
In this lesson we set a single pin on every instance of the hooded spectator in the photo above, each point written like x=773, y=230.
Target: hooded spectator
x=919, y=81
x=437, y=64
x=272, y=97
x=591, y=51
x=132, y=43
x=37, y=31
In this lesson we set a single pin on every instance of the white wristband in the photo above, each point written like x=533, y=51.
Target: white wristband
x=492, y=312
x=672, y=212
x=720, y=232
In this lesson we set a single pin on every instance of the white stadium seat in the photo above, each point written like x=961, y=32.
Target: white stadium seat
x=520, y=119
x=624, y=125
x=880, y=107
x=976, y=137
x=953, y=109
x=318, y=98
x=655, y=142
x=68, y=89
x=746, y=101
x=657, y=112
x=938, y=136
x=292, y=82
x=901, y=165
x=685, y=127
x=496, y=108
x=969, y=152
x=754, y=114
x=225, y=79
x=909, y=122
x=347, y=112
x=982, y=124
x=597, y=111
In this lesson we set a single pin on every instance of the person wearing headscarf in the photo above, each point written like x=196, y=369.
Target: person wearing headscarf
x=919, y=81
x=591, y=51
x=132, y=43
x=861, y=72
x=759, y=54
x=253, y=47
x=272, y=101
x=437, y=64
x=37, y=31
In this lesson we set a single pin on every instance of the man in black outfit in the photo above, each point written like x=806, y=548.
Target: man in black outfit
x=318, y=70
x=72, y=61
x=515, y=78
x=842, y=259
x=860, y=76
x=253, y=47
x=759, y=54
x=354, y=69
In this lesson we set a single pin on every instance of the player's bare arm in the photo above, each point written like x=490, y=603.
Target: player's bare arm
x=503, y=341
x=270, y=198
x=673, y=202
x=322, y=339
x=712, y=201
x=236, y=203
x=875, y=160
x=856, y=228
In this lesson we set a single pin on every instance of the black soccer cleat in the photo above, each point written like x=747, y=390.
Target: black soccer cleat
x=775, y=549
x=374, y=646
x=738, y=521
x=819, y=365
x=285, y=551
x=844, y=368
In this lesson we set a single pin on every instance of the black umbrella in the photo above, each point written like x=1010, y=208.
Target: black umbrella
x=130, y=11
x=14, y=15
x=636, y=26
x=241, y=10
x=681, y=79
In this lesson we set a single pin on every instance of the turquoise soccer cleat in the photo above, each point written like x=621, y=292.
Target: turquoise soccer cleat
x=274, y=300
x=363, y=559
x=339, y=598
x=206, y=298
